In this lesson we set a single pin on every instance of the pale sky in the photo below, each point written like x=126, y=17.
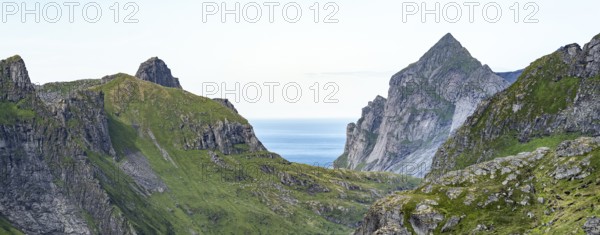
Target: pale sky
x=359, y=53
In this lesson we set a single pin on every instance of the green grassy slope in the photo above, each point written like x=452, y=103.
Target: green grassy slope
x=248, y=193
x=7, y=229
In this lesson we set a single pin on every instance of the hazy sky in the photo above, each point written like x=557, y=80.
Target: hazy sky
x=358, y=54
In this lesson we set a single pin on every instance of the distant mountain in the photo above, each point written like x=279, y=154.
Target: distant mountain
x=139, y=155
x=427, y=102
x=511, y=77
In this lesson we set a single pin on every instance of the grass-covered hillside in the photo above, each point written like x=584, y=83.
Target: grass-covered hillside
x=163, y=180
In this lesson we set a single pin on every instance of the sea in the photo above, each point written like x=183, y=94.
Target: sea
x=316, y=142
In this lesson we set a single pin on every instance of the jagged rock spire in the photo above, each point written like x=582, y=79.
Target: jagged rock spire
x=14, y=80
x=155, y=70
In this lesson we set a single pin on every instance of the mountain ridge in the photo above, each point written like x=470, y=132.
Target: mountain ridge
x=556, y=94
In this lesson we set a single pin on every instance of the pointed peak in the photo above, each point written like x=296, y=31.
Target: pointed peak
x=448, y=40
x=448, y=36
x=446, y=49
x=156, y=70
x=15, y=72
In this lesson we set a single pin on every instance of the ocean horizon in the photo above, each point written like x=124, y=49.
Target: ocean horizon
x=316, y=142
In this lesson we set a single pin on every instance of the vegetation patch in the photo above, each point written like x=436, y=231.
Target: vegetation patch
x=7, y=228
x=12, y=113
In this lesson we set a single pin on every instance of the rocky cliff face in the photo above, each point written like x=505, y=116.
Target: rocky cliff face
x=540, y=192
x=361, y=137
x=427, y=102
x=558, y=95
x=155, y=70
x=224, y=136
x=48, y=185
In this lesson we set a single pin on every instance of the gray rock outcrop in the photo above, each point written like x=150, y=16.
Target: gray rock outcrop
x=15, y=85
x=592, y=226
x=155, y=70
x=227, y=137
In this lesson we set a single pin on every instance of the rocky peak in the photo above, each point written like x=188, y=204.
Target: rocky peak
x=155, y=70
x=590, y=57
x=426, y=102
x=447, y=48
x=585, y=61
x=14, y=79
x=448, y=41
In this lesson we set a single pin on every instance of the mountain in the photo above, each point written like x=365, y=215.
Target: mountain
x=139, y=155
x=427, y=102
x=557, y=97
x=511, y=77
x=526, y=162
x=546, y=191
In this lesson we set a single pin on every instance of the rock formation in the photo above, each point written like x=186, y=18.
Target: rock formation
x=155, y=70
x=37, y=154
x=427, y=102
